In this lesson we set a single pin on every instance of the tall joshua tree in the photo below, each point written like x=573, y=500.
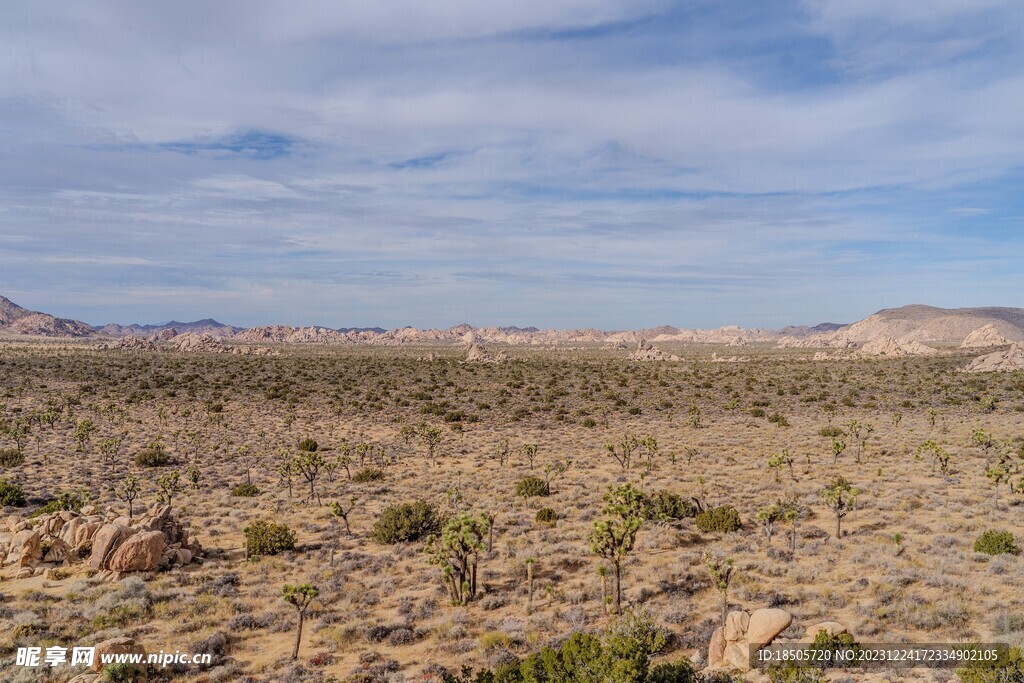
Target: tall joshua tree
x=613, y=537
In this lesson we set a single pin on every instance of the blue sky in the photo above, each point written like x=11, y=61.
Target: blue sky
x=602, y=163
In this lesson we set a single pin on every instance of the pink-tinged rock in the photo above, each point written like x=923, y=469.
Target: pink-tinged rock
x=141, y=552
x=106, y=542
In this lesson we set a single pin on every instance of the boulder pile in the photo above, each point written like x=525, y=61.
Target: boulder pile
x=647, y=351
x=984, y=338
x=1000, y=361
x=888, y=347
x=734, y=645
x=478, y=354
x=112, y=544
x=730, y=646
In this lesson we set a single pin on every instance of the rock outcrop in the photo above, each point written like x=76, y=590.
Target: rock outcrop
x=646, y=351
x=887, y=347
x=732, y=646
x=984, y=338
x=133, y=343
x=114, y=545
x=999, y=361
x=478, y=354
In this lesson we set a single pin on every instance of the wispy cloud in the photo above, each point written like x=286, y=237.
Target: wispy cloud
x=572, y=162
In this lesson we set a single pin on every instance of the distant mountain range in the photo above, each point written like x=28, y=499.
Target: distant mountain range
x=910, y=323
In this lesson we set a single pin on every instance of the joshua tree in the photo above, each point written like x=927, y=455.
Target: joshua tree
x=840, y=496
x=896, y=418
x=530, y=562
x=721, y=570
x=837, y=449
x=308, y=464
x=693, y=417
x=554, y=471
x=431, y=436
x=169, y=484
x=613, y=537
x=342, y=512
x=457, y=553
x=649, y=448
x=769, y=516
x=194, y=475
x=109, y=448
x=128, y=492
x=937, y=454
x=623, y=451
x=529, y=451
x=300, y=598
x=83, y=435
x=491, y=516
x=998, y=473
x=780, y=460
x=502, y=452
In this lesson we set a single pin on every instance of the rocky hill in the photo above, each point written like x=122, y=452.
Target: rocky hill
x=931, y=324
x=17, y=320
x=207, y=326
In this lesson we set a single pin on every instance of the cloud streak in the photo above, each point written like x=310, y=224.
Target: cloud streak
x=606, y=163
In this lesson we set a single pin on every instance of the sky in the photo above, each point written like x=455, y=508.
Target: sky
x=558, y=163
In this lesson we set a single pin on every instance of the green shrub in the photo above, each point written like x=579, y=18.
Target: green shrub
x=368, y=474
x=65, y=500
x=778, y=419
x=11, y=494
x=666, y=506
x=722, y=519
x=11, y=457
x=153, y=455
x=267, y=538
x=996, y=542
x=681, y=671
x=831, y=432
x=532, y=486
x=589, y=423
x=1009, y=668
x=828, y=642
x=406, y=522
x=547, y=517
x=245, y=490
x=308, y=446
x=791, y=672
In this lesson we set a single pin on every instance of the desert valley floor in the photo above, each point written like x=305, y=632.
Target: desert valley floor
x=703, y=427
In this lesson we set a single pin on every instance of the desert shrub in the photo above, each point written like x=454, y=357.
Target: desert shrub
x=65, y=500
x=665, y=506
x=791, y=672
x=406, y=522
x=778, y=419
x=831, y=432
x=996, y=542
x=589, y=423
x=308, y=446
x=832, y=643
x=532, y=486
x=757, y=412
x=153, y=455
x=722, y=519
x=11, y=494
x=11, y=457
x=681, y=671
x=368, y=474
x=245, y=490
x=1009, y=668
x=621, y=654
x=267, y=538
x=547, y=517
